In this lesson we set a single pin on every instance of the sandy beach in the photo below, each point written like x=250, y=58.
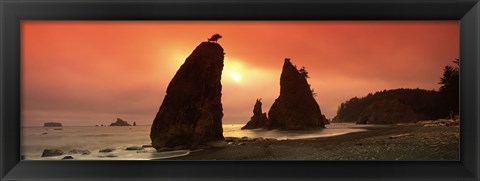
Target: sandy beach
x=398, y=142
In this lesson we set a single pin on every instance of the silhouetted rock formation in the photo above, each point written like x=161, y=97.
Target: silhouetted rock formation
x=295, y=108
x=120, y=122
x=409, y=104
x=52, y=124
x=258, y=119
x=389, y=112
x=134, y=123
x=325, y=120
x=191, y=112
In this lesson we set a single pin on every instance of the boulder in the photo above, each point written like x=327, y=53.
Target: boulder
x=120, y=122
x=295, y=108
x=52, y=152
x=134, y=148
x=191, y=112
x=106, y=150
x=83, y=152
x=67, y=158
x=258, y=119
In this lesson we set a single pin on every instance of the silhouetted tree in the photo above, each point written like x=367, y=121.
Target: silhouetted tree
x=215, y=38
x=450, y=87
x=314, y=94
x=304, y=72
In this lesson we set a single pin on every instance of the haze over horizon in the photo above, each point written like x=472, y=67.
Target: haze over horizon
x=91, y=72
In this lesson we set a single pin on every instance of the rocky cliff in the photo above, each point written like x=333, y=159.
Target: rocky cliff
x=389, y=112
x=258, y=119
x=191, y=112
x=409, y=104
x=295, y=108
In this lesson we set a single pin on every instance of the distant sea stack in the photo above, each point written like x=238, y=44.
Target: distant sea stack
x=52, y=124
x=258, y=119
x=295, y=108
x=120, y=122
x=191, y=112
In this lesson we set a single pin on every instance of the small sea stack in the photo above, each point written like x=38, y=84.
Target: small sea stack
x=52, y=124
x=295, y=108
x=258, y=119
x=191, y=112
x=120, y=122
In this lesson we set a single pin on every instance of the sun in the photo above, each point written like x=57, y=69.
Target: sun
x=235, y=76
x=233, y=70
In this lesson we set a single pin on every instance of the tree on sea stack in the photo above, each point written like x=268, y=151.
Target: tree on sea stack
x=191, y=112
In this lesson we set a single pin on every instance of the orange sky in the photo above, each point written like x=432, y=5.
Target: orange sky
x=87, y=73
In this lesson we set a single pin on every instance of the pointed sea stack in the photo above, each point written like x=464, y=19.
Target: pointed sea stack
x=258, y=119
x=191, y=112
x=295, y=108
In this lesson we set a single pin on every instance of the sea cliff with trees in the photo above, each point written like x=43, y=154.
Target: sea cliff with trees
x=405, y=105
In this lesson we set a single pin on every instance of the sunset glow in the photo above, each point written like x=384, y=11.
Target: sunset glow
x=88, y=73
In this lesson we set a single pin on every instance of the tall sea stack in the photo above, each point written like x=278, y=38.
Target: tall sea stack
x=295, y=108
x=258, y=119
x=191, y=112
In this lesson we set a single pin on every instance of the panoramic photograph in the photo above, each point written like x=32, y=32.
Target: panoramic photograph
x=240, y=90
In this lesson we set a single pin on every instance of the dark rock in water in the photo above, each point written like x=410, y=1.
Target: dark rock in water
x=388, y=112
x=52, y=124
x=295, y=108
x=51, y=152
x=22, y=157
x=109, y=156
x=134, y=148
x=147, y=146
x=106, y=150
x=232, y=139
x=258, y=119
x=120, y=122
x=191, y=112
x=67, y=158
x=134, y=123
x=83, y=152
x=44, y=133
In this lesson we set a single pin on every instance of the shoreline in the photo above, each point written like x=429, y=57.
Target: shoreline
x=396, y=142
x=425, y=140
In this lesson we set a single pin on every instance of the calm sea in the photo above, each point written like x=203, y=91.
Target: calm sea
x=36, y=139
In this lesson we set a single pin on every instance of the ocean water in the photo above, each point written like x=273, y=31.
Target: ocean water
x=35, y=139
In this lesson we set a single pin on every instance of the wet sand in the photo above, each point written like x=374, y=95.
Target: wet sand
x=398, y=142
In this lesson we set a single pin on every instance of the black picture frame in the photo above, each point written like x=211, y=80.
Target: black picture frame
x=12, y=12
